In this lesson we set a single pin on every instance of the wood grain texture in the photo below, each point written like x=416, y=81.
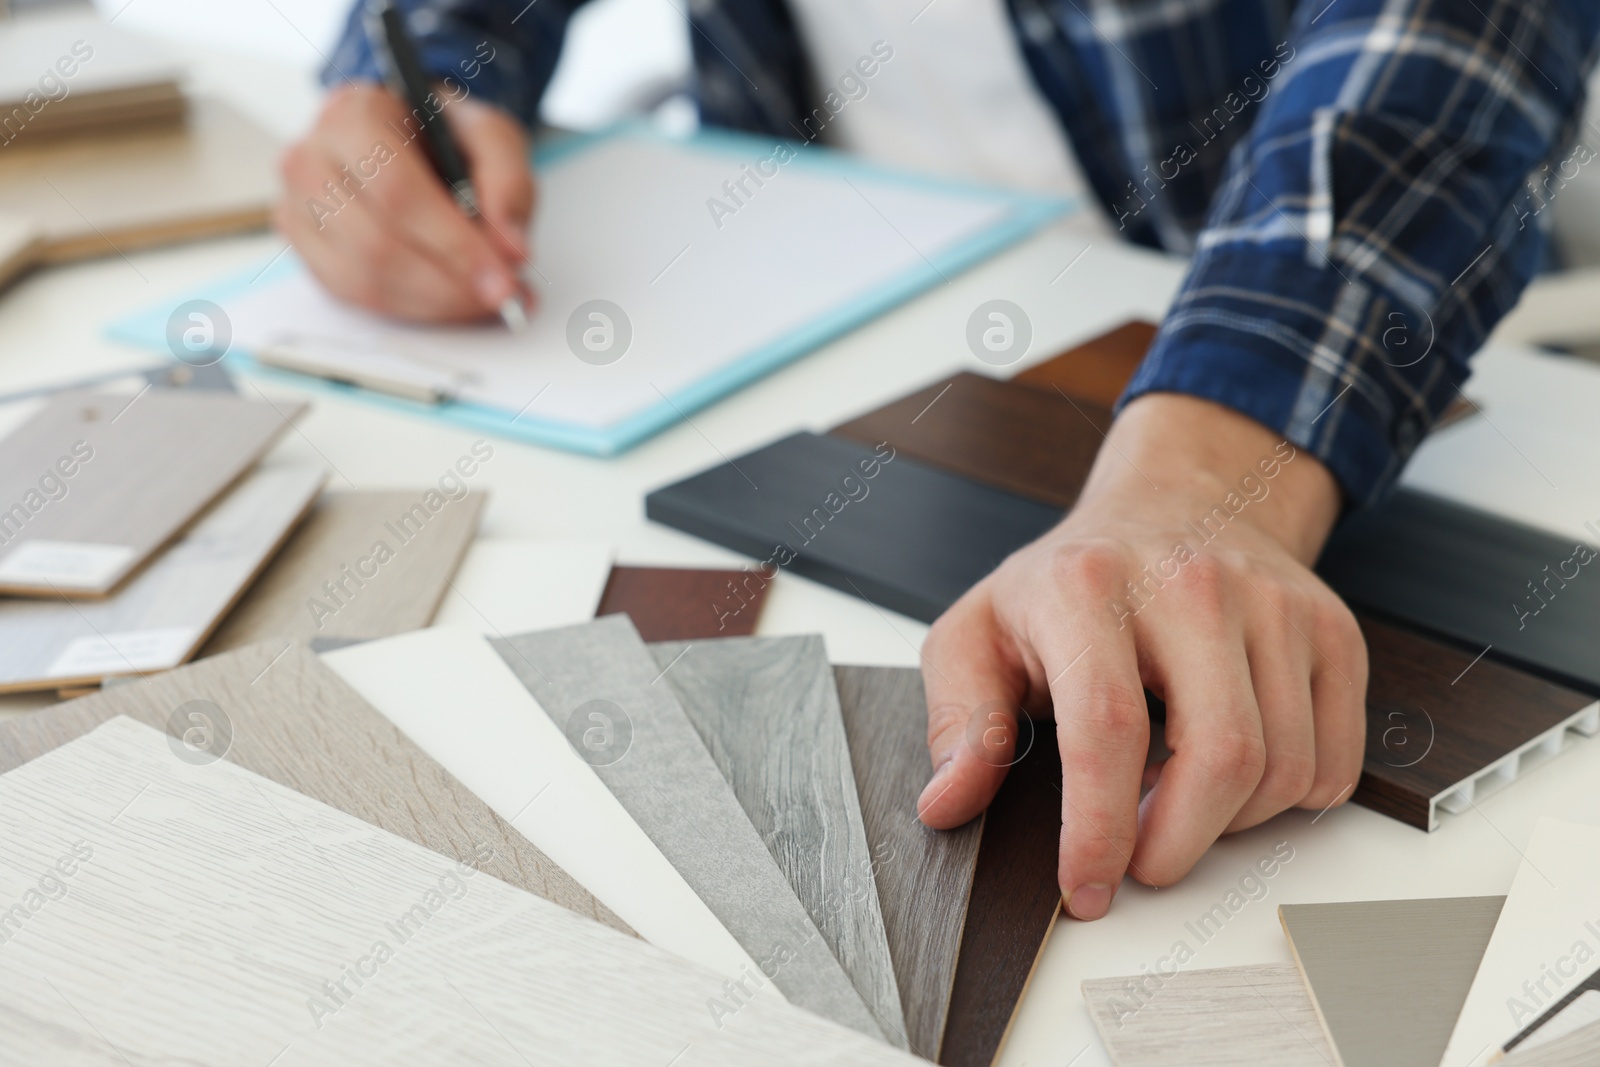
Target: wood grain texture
x=767, y=711
x=1014, y=904
x=142, y=468
x=1583, y=1001
x=598, y=683
x=1435, y=719
x=313, y=938
x=1388, y=977
x=1096, y=371
x=1226, y=1017
x=683, y=604
x=1581, y=1048
x=294, y=721
x=1031, y=442
x=924, y=876
x=213, y=173
x=162, y=615
x=292, y=600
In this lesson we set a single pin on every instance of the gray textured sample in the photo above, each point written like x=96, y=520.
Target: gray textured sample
x=766, y=709
x=649, y=755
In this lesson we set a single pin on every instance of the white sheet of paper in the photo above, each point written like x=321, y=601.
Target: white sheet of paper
x=163, y=912
x=452, y=694
x=508, y=586
x=628, y=221
x=1546, y=942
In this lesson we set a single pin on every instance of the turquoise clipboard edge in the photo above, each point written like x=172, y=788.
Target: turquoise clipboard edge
x=1029, y=212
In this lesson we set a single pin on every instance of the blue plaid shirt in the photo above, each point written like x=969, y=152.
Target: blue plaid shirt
x=1361, y=183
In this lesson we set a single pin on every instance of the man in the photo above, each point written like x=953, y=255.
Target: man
x=1357, y=183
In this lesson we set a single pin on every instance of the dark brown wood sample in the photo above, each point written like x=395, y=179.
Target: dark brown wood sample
x=282, y=714
x=1436, y=719
x=686, y=604
x=1097, y=370
x=924, y=876
x=1035, y=443
x=1014, y=903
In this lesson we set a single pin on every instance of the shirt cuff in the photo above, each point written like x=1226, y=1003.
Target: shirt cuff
x=1332, y=364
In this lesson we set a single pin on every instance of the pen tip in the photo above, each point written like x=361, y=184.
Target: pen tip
x=511, y=313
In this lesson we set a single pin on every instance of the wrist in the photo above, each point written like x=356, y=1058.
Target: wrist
x=1169, y=452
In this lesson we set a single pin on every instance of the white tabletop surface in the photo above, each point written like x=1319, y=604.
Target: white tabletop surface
x=1534, y=456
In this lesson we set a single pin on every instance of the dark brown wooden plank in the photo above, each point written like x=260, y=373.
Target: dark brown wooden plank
x=1098, y=369
x=1014, y=904
x=924, y=876
x=277, y=711
x=686, y=604
x=1436, y=718
x=1032, y=442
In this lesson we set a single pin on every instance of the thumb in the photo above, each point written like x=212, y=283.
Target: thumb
x=496, y=147
x=974, y=713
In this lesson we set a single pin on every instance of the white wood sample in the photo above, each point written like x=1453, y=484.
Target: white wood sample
x=598, y=682
x=309, y=937
x=448, y=691
x=768, y=712
x=164, y=613
x=1224, y=1017
x=21, y=242
x=1546, y=941
x=511, y=585
x=94, y=484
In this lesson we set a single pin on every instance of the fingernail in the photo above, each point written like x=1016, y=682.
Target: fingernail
x=1089, y=901
x=493, y=287
x=935, y=787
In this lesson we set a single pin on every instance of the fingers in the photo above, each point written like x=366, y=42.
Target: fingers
x=497, y=155
x=377, y=226
x=1214, y=726
x=1102, y=727
x=973, y=691
x=1280, y=671
x=1339, y=694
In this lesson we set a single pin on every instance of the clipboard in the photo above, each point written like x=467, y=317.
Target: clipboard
x=736, y=255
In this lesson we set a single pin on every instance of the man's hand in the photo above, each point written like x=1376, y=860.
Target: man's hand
x=386, y=234
x=1215, y=521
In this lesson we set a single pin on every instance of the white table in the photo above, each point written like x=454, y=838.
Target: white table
x=1534, y=457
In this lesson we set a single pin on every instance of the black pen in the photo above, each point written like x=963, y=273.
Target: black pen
x=386, y=28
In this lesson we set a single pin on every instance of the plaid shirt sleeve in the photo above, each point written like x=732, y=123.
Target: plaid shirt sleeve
x=498, y=50
x=1381, y=214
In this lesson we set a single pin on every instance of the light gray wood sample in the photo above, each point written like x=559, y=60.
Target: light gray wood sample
x=924, y=876
x=1581, y=1048
x=311, y=938
x=652, y=759
x=21, y=242
x=1388, y=977
x=1226, y=1017
x=116, y=477
x=767, y=711
x=291, y=601
x=291, y=719
x=158, y=619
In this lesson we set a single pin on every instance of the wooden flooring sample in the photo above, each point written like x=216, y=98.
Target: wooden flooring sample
x=514, y=585
x=1576, y=1047
x=1388, y=977
x=1225, y=1017
x=1443, y=730
x=448, y=691
x=908, y=536
x=1580, y=1007
x=1543, y=943
x=1098, y=370
x=93, y=484
x=315, y=939
x=924, y=876
x=1014, y=904
x=160, y=617
x=213, y=173
x=598, y=682
x=685, y=604
x=768, y=713
x=1031, y=442
x=276, y=711
x=365, y=564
